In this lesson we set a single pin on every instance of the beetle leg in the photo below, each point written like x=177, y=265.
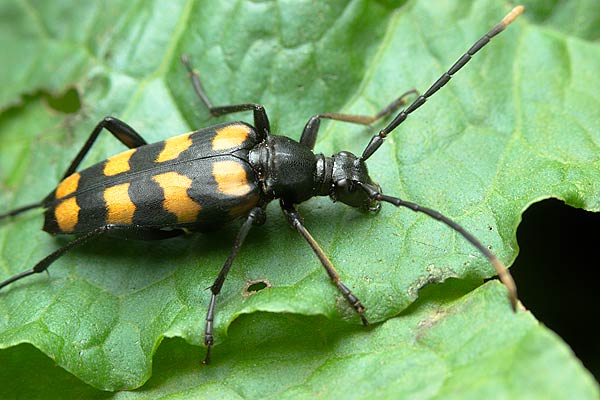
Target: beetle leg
x=19, y=210
x=295, y=221
x=311, y=129
x=261, y=120
x=122, y=231
x=48, y=260
x=126, y=135
x=256, y=216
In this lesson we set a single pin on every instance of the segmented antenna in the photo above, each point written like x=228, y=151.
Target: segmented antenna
x=377, y=140
x=501, y=270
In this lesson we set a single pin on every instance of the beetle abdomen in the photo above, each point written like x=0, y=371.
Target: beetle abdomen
x=197, y=180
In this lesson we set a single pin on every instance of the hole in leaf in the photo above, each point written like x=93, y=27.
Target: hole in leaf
x=557, y=274
x=67, y=102
x=254, y=286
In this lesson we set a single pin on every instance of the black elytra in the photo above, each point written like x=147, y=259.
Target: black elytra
x=207, y=178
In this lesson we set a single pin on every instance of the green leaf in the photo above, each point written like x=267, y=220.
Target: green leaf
x=517, y=125
x=426, y=352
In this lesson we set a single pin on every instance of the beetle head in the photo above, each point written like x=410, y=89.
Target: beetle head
x=348, y=170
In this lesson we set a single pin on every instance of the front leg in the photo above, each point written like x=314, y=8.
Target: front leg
x=311, y=129
x=295, y=222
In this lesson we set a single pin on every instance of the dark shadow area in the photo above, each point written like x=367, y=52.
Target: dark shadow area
x=558, y=274
x=27, y=373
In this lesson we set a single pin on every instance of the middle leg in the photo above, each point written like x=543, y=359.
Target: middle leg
x=256, y=217
x=261, y=121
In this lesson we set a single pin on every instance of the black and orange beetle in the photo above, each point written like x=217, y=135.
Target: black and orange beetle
x=204, y=179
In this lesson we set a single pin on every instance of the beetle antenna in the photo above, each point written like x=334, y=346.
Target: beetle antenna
x=377, y=140
x=501, y=270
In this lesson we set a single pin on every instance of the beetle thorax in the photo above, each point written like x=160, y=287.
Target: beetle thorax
x=286, y=169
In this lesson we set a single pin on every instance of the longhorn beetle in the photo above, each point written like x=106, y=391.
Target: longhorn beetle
x=204, y=179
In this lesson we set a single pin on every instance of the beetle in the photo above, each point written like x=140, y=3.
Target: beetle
x=204, y=179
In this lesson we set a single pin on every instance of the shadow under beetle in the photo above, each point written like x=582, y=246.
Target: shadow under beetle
x=204, y=179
